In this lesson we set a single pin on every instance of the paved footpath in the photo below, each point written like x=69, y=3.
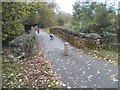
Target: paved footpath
x=79, y=70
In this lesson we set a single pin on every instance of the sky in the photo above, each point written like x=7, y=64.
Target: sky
x=66, y=5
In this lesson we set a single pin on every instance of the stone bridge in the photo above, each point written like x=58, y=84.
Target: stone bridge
x=80, y=40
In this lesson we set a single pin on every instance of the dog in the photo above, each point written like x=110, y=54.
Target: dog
x=51, y=36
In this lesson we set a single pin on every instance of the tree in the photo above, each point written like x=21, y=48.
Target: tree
x=93, y=17
x=12, y=17
x=42, y=14
x=63, y=18
x=18, y=14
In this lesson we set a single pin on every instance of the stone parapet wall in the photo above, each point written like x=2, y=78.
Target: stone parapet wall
x=23, y=45
x=80, y=40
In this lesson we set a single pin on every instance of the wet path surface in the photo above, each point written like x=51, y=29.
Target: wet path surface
x=79, y=70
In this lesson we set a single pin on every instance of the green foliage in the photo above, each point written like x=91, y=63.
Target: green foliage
x=17, y=14
x=42, y=14
x=60, y=21
x=93, y=17
x=63, y=18
x=12, y=17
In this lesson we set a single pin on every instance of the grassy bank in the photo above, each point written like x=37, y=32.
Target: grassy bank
x=46, y=30
x=109, y=55
x=104, y=54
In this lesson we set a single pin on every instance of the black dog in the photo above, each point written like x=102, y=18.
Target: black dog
x=51, y=36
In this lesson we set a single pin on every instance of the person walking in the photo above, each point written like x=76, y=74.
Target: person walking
x=37, y=28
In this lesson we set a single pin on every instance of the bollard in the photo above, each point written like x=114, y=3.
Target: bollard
x=66, y=47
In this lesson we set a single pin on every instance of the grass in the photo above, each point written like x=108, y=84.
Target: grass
x=104, y=54
x=46, y=30
x=109, y=55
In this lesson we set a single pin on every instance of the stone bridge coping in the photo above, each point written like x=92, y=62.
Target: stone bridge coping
x=92, y=36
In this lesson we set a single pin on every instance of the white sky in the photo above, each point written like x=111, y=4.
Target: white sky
x=66, y=5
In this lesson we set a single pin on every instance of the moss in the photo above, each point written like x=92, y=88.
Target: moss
x=24, y=43
x=91, y=45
